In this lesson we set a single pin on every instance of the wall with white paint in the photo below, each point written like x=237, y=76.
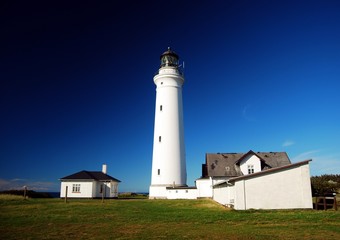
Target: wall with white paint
x=89, y=189
x=84, y=192
x=157, y=192
x=181, y=193
x=286, y=188
x=224, y=194
x=204, y=187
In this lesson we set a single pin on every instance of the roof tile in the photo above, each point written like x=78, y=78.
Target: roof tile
x=90, y=175
x=225, y=164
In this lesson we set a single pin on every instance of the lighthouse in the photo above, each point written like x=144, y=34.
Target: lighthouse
x=168, y=158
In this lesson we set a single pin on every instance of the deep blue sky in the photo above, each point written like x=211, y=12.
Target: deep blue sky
x=77, y=91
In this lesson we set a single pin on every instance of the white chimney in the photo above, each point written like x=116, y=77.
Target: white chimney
x=104, y=169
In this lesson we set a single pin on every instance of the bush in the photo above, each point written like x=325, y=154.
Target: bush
x=325, y=184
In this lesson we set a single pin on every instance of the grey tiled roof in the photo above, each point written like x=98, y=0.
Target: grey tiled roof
x=227, y=164
x=90, y=175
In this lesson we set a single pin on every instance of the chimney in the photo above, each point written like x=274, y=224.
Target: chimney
x=104, y=169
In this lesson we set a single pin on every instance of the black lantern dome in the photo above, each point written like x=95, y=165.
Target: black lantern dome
x=169, y=59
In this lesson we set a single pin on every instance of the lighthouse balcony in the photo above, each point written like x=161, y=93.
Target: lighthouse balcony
x=170, y=70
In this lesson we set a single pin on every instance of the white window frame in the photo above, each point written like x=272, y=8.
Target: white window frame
x=251, y=169
x=76, y=188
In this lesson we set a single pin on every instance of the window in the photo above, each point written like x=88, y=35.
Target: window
x=114, y=188
x=76, y=188
x=161, y=108
x=160, y=139
x=101, y=188
x=250, y=169
x=159, y=172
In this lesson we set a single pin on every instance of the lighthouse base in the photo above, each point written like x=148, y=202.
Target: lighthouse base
x=157, y=192
x=172, y=192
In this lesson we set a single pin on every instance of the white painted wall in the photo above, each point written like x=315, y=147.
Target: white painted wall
x=221, y=194
x=85, y=189
x=250, y=160
x=89, y=189
x=168, y=158
x=285, y=189
x=157, y=192
x=224, y=194
x=110, y=189
x=204, y=188
x=181, y=193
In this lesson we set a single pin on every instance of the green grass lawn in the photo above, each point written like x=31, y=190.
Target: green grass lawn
x=157, y=219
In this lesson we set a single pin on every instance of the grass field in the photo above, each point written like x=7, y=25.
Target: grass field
x=157, y=219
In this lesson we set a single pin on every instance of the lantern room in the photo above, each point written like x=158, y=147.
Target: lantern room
x=169, y=59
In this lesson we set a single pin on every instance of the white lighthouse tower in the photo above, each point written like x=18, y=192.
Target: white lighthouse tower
x=168, y=159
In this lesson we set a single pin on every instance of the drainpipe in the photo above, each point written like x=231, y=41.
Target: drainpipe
x=244, y=195
x=212, y=189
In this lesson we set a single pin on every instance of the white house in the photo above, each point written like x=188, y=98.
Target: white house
x=89, y=184
x=263, y=180
x=284, y=187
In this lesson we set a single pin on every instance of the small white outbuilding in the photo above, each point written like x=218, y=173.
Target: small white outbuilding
x=262, y=180
x=89, y=184
x=286, y=187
